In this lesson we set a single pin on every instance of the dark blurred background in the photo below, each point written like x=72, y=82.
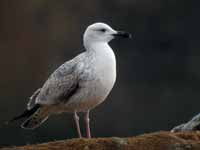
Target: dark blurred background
x=158, y=71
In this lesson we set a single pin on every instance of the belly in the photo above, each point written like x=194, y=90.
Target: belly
x=91, y=94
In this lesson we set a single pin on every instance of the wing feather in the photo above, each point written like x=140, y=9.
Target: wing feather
x=61, y=85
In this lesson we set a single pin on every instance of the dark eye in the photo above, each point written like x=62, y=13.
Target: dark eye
x=102, y=30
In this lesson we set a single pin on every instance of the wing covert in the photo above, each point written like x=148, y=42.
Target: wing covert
x=61, y=85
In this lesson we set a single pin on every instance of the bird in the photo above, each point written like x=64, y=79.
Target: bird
x=78, y=85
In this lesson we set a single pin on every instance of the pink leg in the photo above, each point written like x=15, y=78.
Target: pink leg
x=87, y=122
x=76, y=118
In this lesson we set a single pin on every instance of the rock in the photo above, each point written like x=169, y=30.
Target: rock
x=153, y=141
x=191, y=125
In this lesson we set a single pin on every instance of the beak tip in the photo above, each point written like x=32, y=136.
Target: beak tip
x=123, y=34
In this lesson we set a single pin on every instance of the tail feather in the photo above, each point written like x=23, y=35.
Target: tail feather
x=27, y=113
x=36, y=119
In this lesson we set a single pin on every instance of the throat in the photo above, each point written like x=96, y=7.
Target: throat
x=100, y=49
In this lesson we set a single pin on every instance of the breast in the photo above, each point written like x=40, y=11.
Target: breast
x=105, y=71
x=107, y=75
x=97, y=80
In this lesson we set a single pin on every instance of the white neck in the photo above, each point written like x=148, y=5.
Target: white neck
x=104, y=62
x=102, y=52
x=97, y=46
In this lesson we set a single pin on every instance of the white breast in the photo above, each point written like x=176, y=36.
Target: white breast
x=105, y=69
x=101, y=76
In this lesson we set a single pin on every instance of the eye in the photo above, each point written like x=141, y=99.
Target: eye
x=103, y=30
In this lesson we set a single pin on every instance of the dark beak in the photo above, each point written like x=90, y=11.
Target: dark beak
x=122, y=34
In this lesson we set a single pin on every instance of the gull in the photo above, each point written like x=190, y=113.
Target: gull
x=78, y=85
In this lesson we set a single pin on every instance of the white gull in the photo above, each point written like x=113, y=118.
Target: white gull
x=79, y=84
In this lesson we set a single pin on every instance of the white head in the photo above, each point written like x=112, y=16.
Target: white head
x=101, y=33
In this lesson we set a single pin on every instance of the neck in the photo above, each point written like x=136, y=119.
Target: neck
x=96, y=46
x=102, y=52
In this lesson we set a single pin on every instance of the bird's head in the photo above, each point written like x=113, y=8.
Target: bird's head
x=101, y=32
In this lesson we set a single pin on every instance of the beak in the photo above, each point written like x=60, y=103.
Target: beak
x=122, y=34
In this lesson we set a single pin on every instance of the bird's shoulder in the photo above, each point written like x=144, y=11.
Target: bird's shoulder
x=68, y=68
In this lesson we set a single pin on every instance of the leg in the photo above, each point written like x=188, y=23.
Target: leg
x=87, y=122
x=76, y=118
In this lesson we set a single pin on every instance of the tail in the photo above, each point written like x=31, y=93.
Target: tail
x=36, y=119
x=27, y=113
